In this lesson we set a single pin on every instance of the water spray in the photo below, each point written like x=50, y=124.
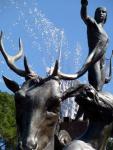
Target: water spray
x=59, y=49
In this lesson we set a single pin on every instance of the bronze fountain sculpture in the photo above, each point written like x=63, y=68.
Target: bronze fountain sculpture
x=37, y=101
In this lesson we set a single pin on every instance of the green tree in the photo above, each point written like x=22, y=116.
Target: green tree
x=7, y=118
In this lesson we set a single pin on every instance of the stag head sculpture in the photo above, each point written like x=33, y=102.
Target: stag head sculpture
x=37, y=103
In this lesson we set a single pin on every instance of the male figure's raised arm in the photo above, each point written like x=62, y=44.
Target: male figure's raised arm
x=83, y=12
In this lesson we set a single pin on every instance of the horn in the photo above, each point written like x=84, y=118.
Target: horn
x=27, y=69
x=91, y=59
x=55, y=70
x=10, y=60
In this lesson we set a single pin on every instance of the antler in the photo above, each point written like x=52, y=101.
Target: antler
x=91, y=59
x=11, y=59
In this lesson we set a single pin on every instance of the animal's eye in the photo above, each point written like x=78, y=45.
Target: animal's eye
x=51, y=124
x=20, y=98
x=51, y=118
x=52, y=105
x=20, y=94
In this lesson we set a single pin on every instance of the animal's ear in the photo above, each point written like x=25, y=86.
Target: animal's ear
x=12, y=85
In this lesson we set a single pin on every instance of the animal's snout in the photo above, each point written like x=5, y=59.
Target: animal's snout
x=31, y=144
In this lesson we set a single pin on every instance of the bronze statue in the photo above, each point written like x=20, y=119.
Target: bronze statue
x=97, y=106
x=96, y=36
x=37, y=105
x=97, y=42
x=38, y=100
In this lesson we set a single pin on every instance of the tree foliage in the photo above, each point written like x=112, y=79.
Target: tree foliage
x=7, y=118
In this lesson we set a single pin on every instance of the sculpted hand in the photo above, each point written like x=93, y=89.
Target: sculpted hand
x=64, y=137
x=84, y=2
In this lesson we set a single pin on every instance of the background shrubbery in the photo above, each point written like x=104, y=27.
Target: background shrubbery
x=7, y=119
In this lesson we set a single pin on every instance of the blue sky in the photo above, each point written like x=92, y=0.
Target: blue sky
x=44, y=27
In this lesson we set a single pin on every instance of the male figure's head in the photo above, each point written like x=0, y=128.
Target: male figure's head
x=101, y=15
